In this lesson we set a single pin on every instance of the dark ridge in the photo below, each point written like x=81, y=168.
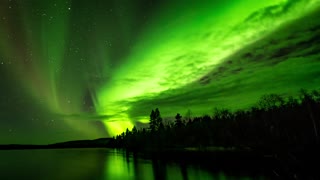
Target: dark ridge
x=97, y=143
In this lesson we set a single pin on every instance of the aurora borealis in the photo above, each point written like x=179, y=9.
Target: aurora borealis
x=76, y=69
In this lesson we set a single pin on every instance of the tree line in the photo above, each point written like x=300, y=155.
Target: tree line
x=274, y=123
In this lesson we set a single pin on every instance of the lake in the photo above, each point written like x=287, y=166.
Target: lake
x=110, y=164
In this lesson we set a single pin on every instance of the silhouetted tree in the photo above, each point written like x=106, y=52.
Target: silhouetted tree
x=158, y=118
x=153, y=123
x=178, y=122
x=134, y=130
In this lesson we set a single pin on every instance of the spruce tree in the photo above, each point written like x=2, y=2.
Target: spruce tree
x=152, y=121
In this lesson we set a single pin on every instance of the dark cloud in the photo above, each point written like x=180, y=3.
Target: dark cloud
x=274, y=11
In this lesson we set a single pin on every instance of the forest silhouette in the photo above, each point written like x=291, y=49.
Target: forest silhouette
x=275, y=123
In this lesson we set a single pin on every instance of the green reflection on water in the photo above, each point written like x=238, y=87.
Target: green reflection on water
x=120, y=165
x=102, y=164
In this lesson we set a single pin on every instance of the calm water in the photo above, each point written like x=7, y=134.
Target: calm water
x=108, y=164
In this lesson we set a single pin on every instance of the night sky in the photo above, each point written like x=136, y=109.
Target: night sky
x=85, y=69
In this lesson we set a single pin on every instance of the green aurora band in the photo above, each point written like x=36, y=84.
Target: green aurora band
x=192, y=43
x=85, y=62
